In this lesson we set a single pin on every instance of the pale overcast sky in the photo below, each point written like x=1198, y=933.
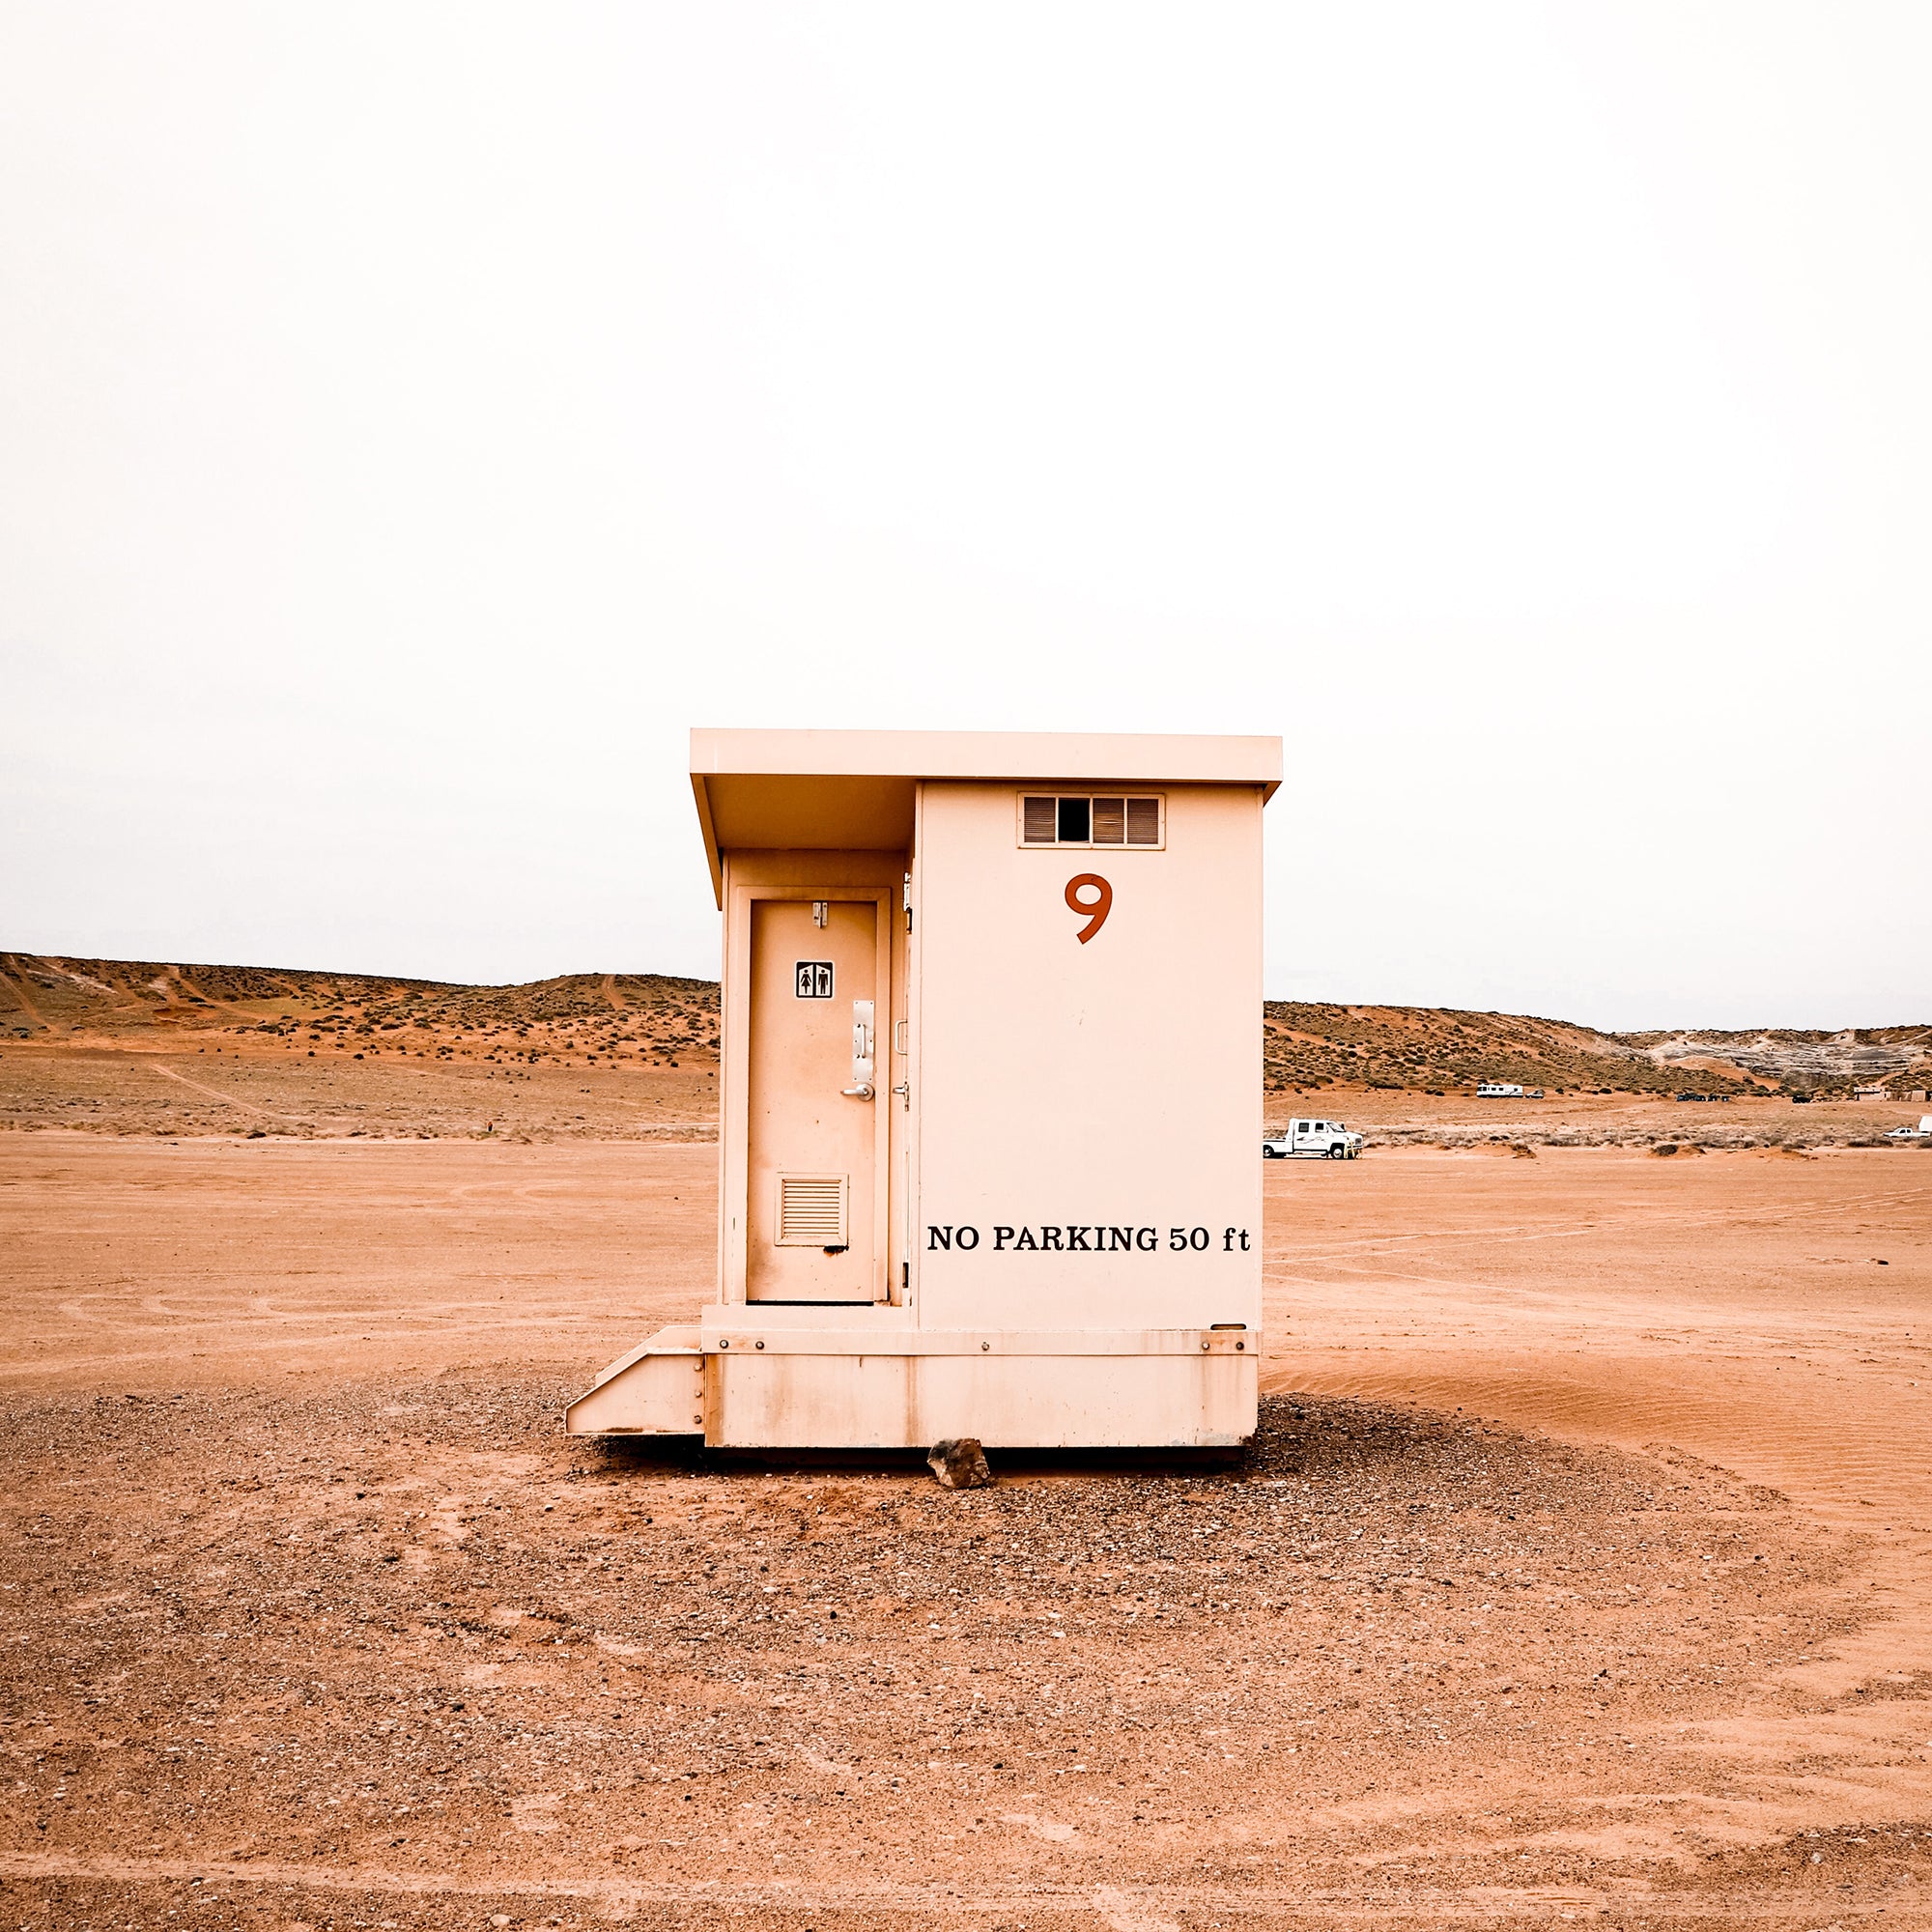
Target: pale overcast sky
x=414, y=419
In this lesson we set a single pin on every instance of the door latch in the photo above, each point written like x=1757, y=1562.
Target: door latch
x=863, y=1064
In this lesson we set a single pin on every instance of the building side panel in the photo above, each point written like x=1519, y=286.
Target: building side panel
x=1088, y=1112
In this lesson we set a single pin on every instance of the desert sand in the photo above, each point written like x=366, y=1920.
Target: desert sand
x=1579, y=1573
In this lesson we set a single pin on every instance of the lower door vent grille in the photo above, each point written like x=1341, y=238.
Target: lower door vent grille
x=812, y=1210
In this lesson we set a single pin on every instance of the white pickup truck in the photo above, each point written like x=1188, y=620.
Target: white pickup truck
x=1312, y=1140
x=1922, y=1132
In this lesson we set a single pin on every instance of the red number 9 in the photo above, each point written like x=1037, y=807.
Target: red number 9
x=1094, y=910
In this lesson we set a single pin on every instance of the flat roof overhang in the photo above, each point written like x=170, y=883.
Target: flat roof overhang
x=825, y=791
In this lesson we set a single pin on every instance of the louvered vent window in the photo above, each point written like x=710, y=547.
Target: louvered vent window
x=1091, y=820
x=812, y=1210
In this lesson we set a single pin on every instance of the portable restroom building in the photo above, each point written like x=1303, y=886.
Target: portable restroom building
x=991, y=1096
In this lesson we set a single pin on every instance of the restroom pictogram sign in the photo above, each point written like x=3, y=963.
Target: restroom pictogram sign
x=812, y=979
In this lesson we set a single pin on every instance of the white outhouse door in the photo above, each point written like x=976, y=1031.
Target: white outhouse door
x=813, y=1106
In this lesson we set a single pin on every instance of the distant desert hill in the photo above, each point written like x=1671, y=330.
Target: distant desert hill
x=1439, y=1050
x=1442, y=1050
x=582, y=1018
x=642, y=1020
x=1825, y=1060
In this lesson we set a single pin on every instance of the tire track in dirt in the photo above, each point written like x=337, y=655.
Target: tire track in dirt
x=1822, y=1451
x=1816, y=1384
x=227, y=1100
x=123, y=1002
x=207, y=998
x=1835, y=1211
x=1123, y=1908
x=16, y=981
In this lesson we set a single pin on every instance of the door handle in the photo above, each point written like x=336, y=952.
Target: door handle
x=863, y=1062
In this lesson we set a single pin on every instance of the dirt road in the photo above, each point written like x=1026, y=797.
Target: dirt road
x=1578, y=1575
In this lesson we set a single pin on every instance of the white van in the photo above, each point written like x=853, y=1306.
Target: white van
x=1312, y=1140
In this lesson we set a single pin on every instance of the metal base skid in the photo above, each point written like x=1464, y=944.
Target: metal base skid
x=754, y=1377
